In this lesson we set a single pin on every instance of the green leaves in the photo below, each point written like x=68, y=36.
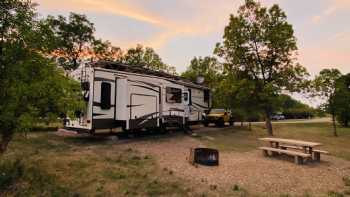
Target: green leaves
x=147, y=58
x=259, y=49
x=342, y=100
x=71, y=37
x=32, y=86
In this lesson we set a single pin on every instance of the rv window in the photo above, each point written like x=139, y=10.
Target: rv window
x=173, y=95
x=206, y=96
x=186, y=96
x=105, y=95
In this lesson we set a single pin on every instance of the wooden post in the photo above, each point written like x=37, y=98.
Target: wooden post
x=191, y=158
x=298, y=160
x=316, y=156
x=265, y=153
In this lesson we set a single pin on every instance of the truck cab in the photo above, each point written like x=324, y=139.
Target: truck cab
x=219, y=117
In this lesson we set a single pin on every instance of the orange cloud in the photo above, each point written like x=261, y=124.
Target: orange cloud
x=203, y=21
x=103, y=6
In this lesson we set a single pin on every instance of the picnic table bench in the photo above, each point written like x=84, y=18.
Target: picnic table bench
x=301, y=150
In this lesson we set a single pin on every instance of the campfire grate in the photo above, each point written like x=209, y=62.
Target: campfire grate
x=204, y=156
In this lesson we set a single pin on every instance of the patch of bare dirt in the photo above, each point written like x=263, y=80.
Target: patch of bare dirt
x=250, y=170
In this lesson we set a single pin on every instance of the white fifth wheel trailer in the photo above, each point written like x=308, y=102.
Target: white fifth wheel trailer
x=132, y=97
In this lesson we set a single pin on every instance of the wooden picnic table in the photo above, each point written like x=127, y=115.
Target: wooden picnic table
x=280, y=146
x=305, y=145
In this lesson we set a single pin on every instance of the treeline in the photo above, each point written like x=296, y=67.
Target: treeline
x=255, y=65
x=35, y=54
x=73, y=41
x=293, y=109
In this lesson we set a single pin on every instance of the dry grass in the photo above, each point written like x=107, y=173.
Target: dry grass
x=156, y=165
x=242, y=140
x=86, y=167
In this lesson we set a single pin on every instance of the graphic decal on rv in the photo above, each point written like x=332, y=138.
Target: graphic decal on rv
x=129, y=106
x=200, y=105
x=150, y=84
x=103, y=79
x=97, y=104
x=146, y=88
x=96, y=114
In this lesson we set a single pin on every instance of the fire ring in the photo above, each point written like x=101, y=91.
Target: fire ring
x=205, y=156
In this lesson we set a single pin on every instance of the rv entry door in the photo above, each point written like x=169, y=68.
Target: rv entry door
x=186, y=102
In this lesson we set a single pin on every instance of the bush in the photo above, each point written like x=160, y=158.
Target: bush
x=10, y=172
x=20, y=179
x=298, y=113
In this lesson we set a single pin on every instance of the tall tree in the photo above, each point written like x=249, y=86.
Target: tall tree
x=207, y=67
x=325, y=86
x=147, y=58
x=342, y=100
x=74, y=37
x=211, y=70
x=104, y=50
x=32, y=87
x=259, y=46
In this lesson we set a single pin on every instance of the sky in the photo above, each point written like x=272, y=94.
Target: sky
x=180, y=29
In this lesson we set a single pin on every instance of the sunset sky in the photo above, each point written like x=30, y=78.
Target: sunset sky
x=181, y=29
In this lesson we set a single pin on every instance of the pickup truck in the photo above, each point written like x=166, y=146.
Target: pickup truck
x=219, y=117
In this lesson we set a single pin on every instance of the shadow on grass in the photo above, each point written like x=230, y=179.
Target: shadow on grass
x=87, y=140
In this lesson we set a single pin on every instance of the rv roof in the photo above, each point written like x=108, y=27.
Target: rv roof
x=141, y=70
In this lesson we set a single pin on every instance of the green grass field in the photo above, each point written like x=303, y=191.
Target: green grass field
x=45, y=164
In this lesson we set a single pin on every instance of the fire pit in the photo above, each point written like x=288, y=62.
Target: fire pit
x=204, y=156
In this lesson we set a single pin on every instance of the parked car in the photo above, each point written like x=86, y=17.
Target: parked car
x=278, y=117
x=219, y=117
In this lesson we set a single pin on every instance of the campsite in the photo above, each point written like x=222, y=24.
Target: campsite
x=174, y=98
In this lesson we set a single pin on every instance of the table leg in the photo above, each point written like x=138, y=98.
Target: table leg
x=305, y=149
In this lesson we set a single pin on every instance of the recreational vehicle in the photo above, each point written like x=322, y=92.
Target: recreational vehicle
x=132, y=98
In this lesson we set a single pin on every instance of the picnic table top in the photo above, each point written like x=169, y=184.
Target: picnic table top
x=291, y=141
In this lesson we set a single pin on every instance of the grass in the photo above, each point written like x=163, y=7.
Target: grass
x=45, y=164
x=49, y=165
x=242, y=140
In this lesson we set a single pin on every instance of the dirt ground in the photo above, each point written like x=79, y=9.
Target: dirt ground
x=250, y=170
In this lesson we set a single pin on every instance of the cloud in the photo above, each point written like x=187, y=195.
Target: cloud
x=333, y=52
x=103, y=6
x=334, y=6
x=316, y=19
x=205, y=16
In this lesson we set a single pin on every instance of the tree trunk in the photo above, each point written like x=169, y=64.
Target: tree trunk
x=5, y=140
x=268, y=122
x=334, y=125
x=250, y=126
x=241, y=123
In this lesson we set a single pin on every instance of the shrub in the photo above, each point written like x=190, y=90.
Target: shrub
x=335, y=194
x=346, y=180
x=10, y=172
x=21, y=179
